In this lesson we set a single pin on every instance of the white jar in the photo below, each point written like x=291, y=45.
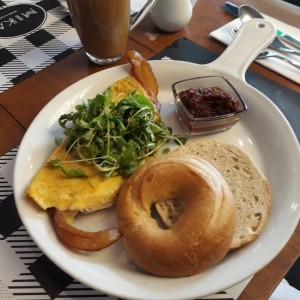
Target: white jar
x=172, y=15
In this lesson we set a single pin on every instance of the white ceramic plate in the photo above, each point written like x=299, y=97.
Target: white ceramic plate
x=263, y=133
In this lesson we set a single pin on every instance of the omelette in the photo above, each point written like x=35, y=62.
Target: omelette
x=124, y=86
x=50, y=187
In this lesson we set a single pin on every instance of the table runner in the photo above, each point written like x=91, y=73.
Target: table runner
x=26, y=273
x=33, y=35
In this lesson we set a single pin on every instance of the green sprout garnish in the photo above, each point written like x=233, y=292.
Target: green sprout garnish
x=114, y=137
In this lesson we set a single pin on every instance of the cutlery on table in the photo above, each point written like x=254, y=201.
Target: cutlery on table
x=288, y=38
x=266, y=53
x=247, y=13
x=234, y=10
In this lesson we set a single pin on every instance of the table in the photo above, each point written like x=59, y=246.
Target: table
x=21, y=103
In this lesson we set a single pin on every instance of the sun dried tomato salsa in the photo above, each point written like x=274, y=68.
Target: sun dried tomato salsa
x=208, y=102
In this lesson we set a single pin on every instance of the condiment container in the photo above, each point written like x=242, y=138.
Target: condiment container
x=211, y=124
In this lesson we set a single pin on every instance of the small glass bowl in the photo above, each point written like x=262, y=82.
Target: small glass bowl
x=206, y=125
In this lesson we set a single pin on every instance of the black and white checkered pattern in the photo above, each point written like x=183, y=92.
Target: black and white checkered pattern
x=23, y=56
x=25, y=272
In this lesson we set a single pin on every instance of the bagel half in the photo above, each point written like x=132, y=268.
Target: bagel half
x=249, y=186
x=203, y=233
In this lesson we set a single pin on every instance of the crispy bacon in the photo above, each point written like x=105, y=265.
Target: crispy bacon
x=142, y=72
x=83, y=240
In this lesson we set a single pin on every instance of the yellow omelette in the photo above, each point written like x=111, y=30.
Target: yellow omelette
x=52, y=188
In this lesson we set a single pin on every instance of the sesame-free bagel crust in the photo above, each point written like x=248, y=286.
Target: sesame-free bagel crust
x=203, y=232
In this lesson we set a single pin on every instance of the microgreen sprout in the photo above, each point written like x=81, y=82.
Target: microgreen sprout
x=114, y=137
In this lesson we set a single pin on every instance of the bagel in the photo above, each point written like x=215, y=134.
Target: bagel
x=202, y=235
x=249, y=187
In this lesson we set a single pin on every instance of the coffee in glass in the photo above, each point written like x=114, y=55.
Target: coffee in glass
x=103, y=27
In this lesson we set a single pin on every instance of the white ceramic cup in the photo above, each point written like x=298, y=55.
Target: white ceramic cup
x=172, y=15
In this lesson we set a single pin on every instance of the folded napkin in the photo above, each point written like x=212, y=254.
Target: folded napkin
x=224, y=35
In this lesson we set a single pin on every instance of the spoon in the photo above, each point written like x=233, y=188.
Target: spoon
x=267, y=53
x=247, y=12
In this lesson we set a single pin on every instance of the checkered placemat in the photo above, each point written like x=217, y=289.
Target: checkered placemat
x=26, y=273
x=33, y=35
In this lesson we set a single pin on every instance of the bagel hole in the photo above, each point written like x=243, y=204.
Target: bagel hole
x=167, y=213
x=156, y=216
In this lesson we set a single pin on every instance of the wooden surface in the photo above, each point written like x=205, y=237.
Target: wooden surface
x=21, y=103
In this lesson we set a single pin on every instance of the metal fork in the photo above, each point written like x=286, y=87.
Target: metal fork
x=233, y=30
x=276, y=44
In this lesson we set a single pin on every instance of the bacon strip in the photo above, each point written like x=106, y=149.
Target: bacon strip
x=142, y=72
x=83, y=240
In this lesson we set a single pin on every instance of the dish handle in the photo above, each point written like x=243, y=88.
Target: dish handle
x=252, y=37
